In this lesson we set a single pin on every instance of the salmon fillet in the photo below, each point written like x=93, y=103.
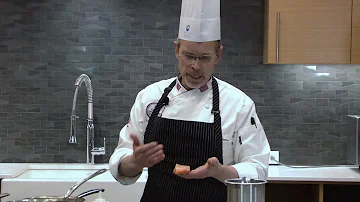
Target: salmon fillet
x=181, y=169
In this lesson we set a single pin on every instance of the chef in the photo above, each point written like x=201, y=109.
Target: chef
x=193, y=119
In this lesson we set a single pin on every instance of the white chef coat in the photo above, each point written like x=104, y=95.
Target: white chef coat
x=245, y=145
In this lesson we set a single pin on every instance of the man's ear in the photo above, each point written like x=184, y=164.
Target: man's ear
x=218, y=55
x=176, y=47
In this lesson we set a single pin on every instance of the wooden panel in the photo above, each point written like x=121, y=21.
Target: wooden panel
x=315, y=37
x=312, y=182
x=314, y=32
x=1, y=191
x=355, y=40
x=292, y=193
x=266, y=32
x=320, y=196
x=311, y=5
x=302, y=191
x=339, y=193
x=270, y=31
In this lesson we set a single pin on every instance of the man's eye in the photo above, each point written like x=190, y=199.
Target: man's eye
x=189, y=57
x=205, y=58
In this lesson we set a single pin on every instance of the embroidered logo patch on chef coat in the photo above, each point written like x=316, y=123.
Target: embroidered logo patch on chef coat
x=150, y=108
x=204, y=88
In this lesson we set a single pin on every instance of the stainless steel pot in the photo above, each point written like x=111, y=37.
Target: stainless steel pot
x=78, y=198
x=245, y=190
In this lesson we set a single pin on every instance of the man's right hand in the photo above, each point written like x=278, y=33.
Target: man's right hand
x=146, y=155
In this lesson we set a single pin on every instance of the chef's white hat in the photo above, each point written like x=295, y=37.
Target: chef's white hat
x=200, y=20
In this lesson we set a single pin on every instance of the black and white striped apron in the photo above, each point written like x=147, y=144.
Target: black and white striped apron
x=187, y=143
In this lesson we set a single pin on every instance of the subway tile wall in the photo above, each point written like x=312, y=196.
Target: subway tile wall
x=125, y=45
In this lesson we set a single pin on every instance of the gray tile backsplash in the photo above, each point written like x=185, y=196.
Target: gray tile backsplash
x=124, y=46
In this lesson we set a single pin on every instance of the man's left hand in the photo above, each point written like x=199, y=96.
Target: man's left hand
x=210, y=169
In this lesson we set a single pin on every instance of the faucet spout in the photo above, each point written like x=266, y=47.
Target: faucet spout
x=83, y=78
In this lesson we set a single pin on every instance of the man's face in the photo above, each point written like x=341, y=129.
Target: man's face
x=196, y=72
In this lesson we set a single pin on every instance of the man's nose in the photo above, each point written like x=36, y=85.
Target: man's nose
x=196, y=64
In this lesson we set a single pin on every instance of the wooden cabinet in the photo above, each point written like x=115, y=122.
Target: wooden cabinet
x=285, y=191
x=293, y=192
x=355, y=41
x=308, y=31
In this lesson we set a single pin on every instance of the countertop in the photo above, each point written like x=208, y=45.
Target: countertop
x=12, y=170
x=276, y=172
x=315, y=174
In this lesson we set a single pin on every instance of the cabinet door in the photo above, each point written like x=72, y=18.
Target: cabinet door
x=355, y=46
x=307, y=31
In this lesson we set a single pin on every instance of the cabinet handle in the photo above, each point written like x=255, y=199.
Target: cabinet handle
x=277, y=36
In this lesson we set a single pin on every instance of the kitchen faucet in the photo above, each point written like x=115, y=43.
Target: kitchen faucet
x=91, y=151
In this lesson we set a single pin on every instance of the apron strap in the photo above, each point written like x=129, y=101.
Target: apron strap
x=217, y=119
x=163, y=101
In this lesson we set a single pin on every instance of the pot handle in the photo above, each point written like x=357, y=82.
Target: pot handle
x=4, y=195
x=87, y=193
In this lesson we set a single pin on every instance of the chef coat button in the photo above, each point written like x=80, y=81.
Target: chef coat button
x=207, y=106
